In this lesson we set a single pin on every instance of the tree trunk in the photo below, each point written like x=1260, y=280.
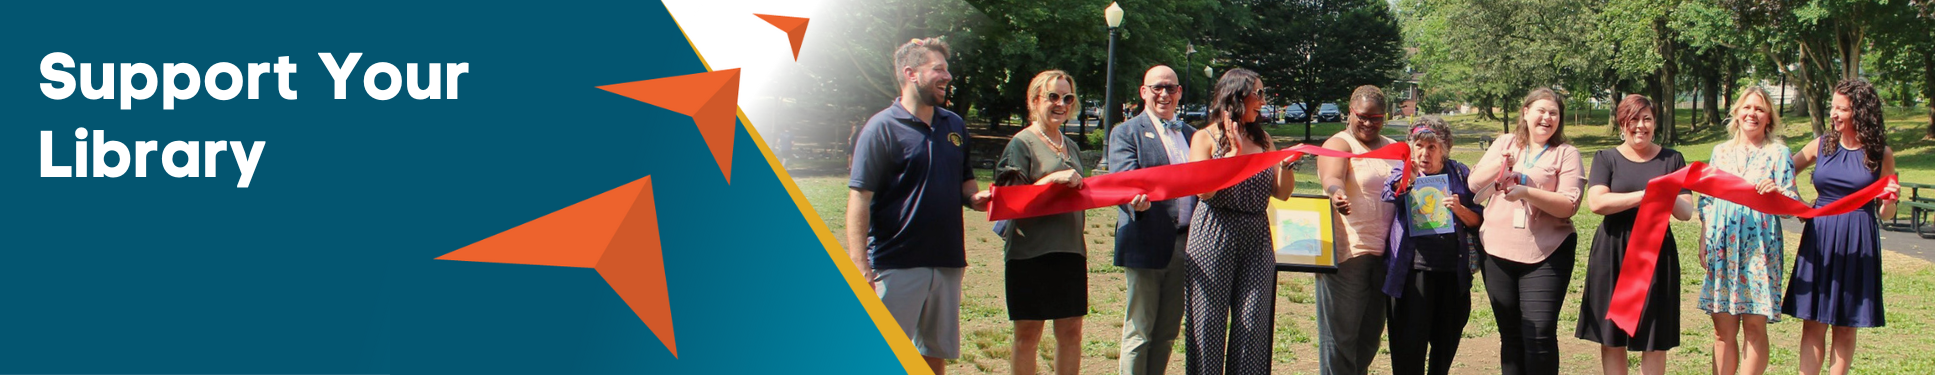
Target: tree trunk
x=1666, y=100
x=1928, y=88
x=1712, y=96
x=1730, y=82
x=1484, y=107
x=1848, y=37
x=1506, y=120
x=1807, y=81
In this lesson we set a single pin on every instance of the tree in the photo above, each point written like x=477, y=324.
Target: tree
x=1490, y=52
x=1906, y=51
x=1318, y=50
x=1814, y=42
x=1023, y=37
x=836, y=90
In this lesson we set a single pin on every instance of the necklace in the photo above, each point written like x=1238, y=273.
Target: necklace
x=1056, y=145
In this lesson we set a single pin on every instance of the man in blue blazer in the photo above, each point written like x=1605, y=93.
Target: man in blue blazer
x=1149, y=236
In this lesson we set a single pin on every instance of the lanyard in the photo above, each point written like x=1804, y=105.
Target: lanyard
x=1528, y=163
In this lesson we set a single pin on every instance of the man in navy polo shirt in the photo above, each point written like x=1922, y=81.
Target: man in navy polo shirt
x=910, y=178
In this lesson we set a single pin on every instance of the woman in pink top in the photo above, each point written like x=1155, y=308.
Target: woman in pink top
x=1351, y=301
x=1530, y=181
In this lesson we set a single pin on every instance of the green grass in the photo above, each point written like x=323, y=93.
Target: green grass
x=1899, y=347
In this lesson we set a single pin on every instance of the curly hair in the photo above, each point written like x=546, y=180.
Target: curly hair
x=1039, y=86
x=1431, y=128
x=1232, y=93
x=1865, y=107
x=1522, y=134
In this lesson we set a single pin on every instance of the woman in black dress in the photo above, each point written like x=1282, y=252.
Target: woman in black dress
x=1616, y=183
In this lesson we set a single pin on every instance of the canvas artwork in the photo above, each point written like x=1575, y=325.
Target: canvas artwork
x=1300, y=229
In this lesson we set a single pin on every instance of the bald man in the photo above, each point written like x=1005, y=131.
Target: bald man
x=1149, y=236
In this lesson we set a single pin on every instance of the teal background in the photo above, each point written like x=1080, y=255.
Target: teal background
x=325, y=263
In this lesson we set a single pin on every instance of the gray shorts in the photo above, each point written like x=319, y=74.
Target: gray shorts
x=927, y=304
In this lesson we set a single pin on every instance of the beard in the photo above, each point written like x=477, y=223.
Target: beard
x=933, y=94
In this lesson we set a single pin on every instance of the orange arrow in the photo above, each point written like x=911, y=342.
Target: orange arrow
x=711, y=98
x=795, y=28
x=615, y=233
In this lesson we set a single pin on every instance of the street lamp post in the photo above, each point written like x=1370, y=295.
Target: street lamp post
x=1188, y=49
x=1209, y=89
x=1114, y=17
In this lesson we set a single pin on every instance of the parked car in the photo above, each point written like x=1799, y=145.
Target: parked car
x=1295, y=114
x=1266, y=114
x=1327, y=112
x=1196, y=112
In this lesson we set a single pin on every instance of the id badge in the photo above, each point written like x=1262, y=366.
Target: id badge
x=1518, y=217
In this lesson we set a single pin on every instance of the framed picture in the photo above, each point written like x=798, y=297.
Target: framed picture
x=1301, y=229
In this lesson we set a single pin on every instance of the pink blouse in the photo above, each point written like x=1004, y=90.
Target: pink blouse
x=1557, y=169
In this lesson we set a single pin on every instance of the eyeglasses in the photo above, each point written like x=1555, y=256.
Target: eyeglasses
x=1064, y=99
x=1165, y=87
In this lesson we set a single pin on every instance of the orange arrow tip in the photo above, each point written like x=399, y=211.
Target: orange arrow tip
x=795, y=28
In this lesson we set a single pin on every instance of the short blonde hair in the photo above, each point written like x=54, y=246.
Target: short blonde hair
x=1039, y=86
x=1772, y=127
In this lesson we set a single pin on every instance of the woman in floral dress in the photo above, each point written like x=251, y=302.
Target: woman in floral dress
x=1742, y=248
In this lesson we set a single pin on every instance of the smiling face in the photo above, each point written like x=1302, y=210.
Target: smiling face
x=1541, y=120
x=1054, y=104
x=1639, y=130
x=1160, y=93
x=928, y=81
x=1252, y=102
x=1366, y=119
x=1753, y=117
x=1841, y=114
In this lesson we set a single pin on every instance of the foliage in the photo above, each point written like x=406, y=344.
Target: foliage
x=1317, y=51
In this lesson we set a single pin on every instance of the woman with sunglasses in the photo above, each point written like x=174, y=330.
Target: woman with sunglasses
x=1229, y=265
x=1047, y=259
x=1350, y=305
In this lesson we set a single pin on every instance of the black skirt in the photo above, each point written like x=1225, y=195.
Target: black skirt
x=1659, y=319
x=1048, y=287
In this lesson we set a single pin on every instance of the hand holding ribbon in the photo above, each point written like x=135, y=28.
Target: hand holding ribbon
x=1162, y=183
x=1649, y=229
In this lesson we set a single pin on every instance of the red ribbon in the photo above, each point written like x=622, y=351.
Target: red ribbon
x=1162, y=183
x=1649, y=228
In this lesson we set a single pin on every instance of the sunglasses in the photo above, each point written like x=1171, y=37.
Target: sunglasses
x=1064, y=99
x=1165, y=87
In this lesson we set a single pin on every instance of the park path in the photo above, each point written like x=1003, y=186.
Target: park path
x=1896, y=238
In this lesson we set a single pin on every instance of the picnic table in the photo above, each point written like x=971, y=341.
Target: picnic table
x=1919, y=207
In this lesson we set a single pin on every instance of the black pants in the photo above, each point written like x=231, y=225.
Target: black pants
x=1526, y=299
x=1430, y=317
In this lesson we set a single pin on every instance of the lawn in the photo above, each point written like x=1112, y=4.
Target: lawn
x=1897, y=348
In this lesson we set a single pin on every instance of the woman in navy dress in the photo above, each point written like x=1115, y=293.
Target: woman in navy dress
x=1837, y=272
